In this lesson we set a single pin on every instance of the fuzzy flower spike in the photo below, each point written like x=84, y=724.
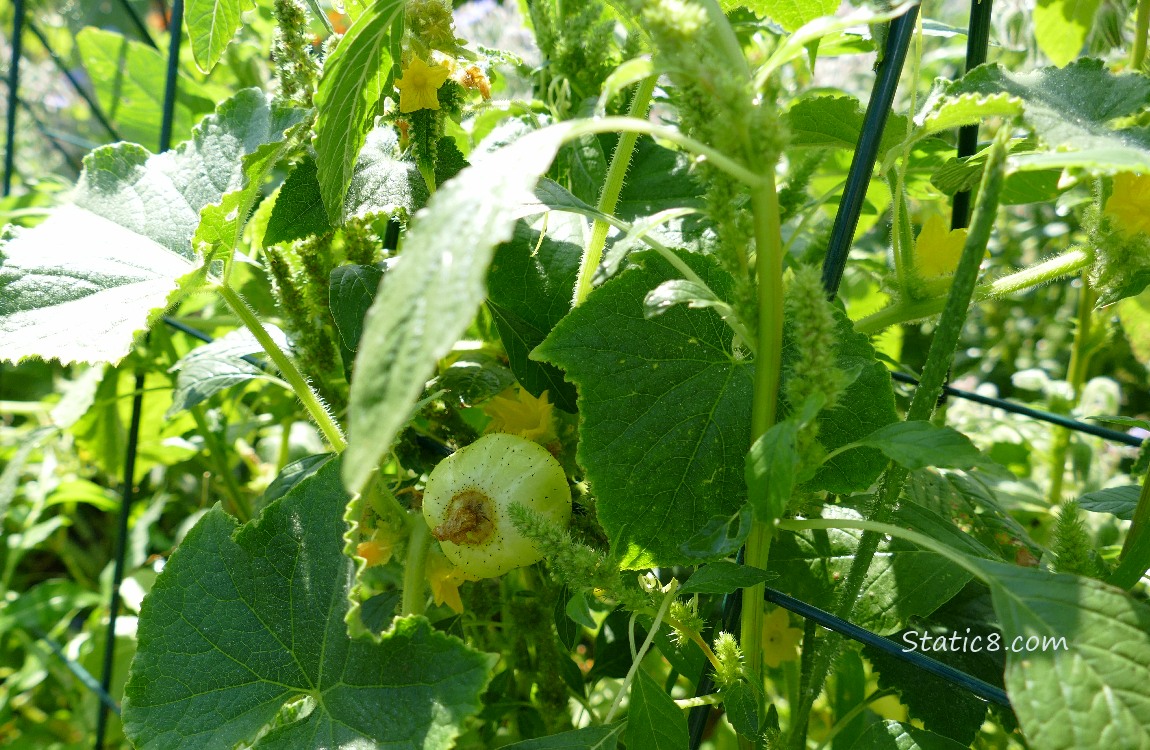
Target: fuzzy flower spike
x=418, y=86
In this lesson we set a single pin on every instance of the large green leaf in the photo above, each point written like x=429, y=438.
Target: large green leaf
x=1060, y=27
x=790, y=14
x=654, y=722
x=244, y=621
x=128, y=78
x=211, y=26
x=429, y=297
x=349, y=89
x=530, y=285
x=1071, y=109
x=1089, y=688
x=665, y=406
x=79, y=286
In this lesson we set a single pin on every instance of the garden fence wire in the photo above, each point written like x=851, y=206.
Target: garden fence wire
x=888, y=74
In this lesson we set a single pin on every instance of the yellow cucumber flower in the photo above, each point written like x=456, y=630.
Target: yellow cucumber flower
x=780, y=641
x=520, y=413
x=937, y=249
x=445, y=580
x=1129, y=203
x=418, y=86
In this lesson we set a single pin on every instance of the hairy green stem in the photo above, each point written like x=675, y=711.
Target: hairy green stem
x=616, y=173
x=1076, y=374
x=1141, y=27
x=1070, y=262
x=414, y=600
x=287, y=367
x=926, y=396
x=764, y=404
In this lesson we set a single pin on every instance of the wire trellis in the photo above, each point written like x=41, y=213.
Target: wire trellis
x=888, y=75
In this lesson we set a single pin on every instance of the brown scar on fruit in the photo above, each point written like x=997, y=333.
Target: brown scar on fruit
x=469, y=519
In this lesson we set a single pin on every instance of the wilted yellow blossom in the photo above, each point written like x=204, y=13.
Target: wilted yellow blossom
x=520, y=413
x=445, y=579
x=418, y=86
x=780, y=641
x=937, y=249
x=1129, y=203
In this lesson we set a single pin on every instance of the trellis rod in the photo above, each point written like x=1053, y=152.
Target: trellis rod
x=128, y=496
x=13, y=90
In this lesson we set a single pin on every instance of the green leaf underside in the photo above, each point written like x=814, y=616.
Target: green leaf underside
x=128, y=79
x=892, y=735
x=349, y=89
x=723, y=577
x=217, y=366
x=1070, y=109
x=445, y=258
x=211, y=26
x=241, y=622
x=665, y=409
x=587, y=738
x=654, y=722
x=918, y=444
x=902, y=581
x=529, y=291
x=1092, y=693
x=1117, y=501
x=79, y=286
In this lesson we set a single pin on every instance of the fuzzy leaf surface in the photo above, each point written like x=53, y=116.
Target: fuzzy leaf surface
x=665, y=408
x=244, y=620
x=80, y=285
x=427, y=300
x=1090, y=691
x=1071, y=109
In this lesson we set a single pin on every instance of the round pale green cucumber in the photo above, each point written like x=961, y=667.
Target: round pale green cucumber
x=468, y=495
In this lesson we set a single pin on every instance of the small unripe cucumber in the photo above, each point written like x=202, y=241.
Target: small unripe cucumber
x=468, y=496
